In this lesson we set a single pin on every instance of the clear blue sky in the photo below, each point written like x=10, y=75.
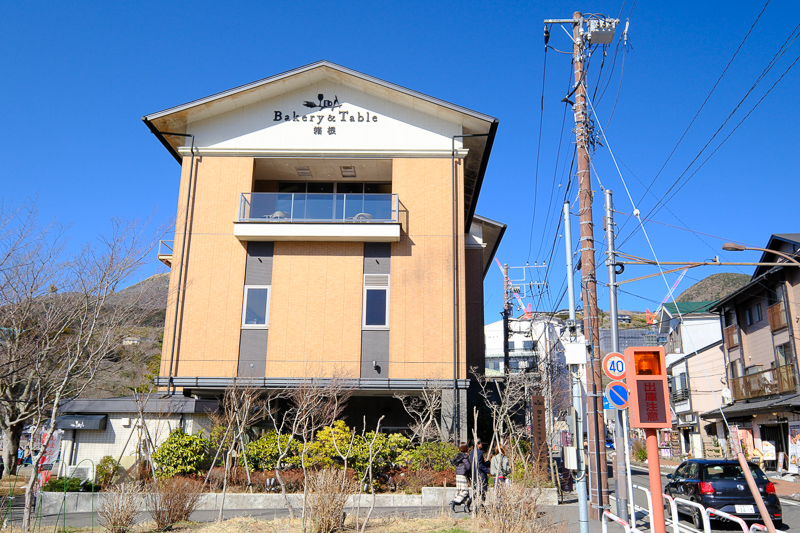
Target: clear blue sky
x=78, y=77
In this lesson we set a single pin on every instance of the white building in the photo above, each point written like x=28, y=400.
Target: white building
x=94, y=429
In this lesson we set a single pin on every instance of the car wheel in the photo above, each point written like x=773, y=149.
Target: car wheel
x=697, y=520
x=778, y=524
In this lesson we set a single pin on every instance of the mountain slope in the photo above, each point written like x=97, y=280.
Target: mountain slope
x=714, y=287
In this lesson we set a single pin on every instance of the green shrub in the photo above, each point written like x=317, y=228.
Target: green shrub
x=181, y=453
x=69, y=484
x=262, y=454
x=433, y=455
x=106, y=471
x=639, y=450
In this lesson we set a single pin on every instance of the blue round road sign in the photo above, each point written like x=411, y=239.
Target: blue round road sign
x=617, y=394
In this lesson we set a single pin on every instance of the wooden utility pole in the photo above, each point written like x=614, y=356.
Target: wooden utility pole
x=598, y=472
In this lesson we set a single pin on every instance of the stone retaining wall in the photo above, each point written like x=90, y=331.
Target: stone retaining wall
x=83, y=502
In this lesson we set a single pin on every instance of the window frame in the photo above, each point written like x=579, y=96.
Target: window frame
x=387, y=290
x=759, y=313
x=244, y=307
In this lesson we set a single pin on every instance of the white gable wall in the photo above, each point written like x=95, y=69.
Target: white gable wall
x=392, y=127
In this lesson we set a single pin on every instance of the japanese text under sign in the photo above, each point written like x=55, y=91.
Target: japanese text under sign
x=652, y=404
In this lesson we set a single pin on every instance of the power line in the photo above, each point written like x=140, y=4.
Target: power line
x=700, y=109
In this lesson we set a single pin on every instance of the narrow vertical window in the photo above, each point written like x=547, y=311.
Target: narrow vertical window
x=376, y=301
x=256, y=306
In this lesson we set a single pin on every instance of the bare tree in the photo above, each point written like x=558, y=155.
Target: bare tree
x=241, y=408
x=310, y=405
x=425, y=410
x=57, y=321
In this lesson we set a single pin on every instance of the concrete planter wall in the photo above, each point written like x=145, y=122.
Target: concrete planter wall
x=84, y=502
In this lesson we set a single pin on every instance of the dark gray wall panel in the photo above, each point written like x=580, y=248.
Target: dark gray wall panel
x=253, y=353
x=375, y=347
x=258, y=270
x=253, y=342
x=377, y=257
x=375, y=343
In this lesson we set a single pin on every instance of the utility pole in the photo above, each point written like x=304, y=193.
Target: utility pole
x=506, y=313
x=597, y=430
x=577, y=400
x=624, y=484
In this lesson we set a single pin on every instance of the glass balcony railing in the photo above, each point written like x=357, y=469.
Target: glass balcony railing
x=319, y=207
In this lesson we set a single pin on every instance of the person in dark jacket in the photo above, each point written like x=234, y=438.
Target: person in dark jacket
x=462, y=464
x=479, y=470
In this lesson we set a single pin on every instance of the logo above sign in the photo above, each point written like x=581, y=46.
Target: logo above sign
x=331, y=119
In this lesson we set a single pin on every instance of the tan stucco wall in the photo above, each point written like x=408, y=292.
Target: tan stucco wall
x=421, y=342
x=712, y=361
x=213, y=279
x=315, y=310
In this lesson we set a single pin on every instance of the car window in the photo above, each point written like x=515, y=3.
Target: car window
x=693, y=471
x=680, y=471
x=730, y=471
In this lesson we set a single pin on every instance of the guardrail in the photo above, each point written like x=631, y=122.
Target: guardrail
x=649, y=501
x=703, y=513
x=715, y=512
x=615, y=518
x=318, y=207
x=673, y=507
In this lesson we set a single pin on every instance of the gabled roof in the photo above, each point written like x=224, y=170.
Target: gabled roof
x=762, y=272
x=687, y=308
x=775, y=241
x=477, y=128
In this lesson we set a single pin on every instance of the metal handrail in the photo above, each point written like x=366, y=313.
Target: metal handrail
x=604, y=522
x=649, y=501
x=165, y=247
x=341, y=208
x=703, y=513
x=732, y=518
x=673, y=507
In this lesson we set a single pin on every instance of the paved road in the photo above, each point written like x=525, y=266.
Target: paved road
x=791, y=509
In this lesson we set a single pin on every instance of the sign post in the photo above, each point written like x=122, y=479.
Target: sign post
x=615, y=367
x=647, y=379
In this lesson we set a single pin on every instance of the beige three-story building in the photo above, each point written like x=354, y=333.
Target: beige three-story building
x=326, y=228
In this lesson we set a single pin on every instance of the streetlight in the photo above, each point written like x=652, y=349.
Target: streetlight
x=734, y=247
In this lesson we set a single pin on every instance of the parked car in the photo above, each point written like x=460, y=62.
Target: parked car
x=721, y=484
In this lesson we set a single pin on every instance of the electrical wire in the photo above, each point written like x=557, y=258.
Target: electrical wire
x=538, y=147
x=700, y=109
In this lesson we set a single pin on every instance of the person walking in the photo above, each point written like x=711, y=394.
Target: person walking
x=480, y=470
x=499, y=466
x=462, y=464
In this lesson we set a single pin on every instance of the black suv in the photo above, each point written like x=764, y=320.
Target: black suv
x=721, y=484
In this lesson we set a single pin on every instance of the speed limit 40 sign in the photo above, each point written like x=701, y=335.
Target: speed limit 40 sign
x=614, y=366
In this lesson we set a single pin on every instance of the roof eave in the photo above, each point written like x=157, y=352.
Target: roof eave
x=481, y=173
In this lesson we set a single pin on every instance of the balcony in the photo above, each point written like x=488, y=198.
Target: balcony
x=731, y=337
x=680, y=395
x=165, y=252
x=318, y=217
x=776, y=314
x=765, y=383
